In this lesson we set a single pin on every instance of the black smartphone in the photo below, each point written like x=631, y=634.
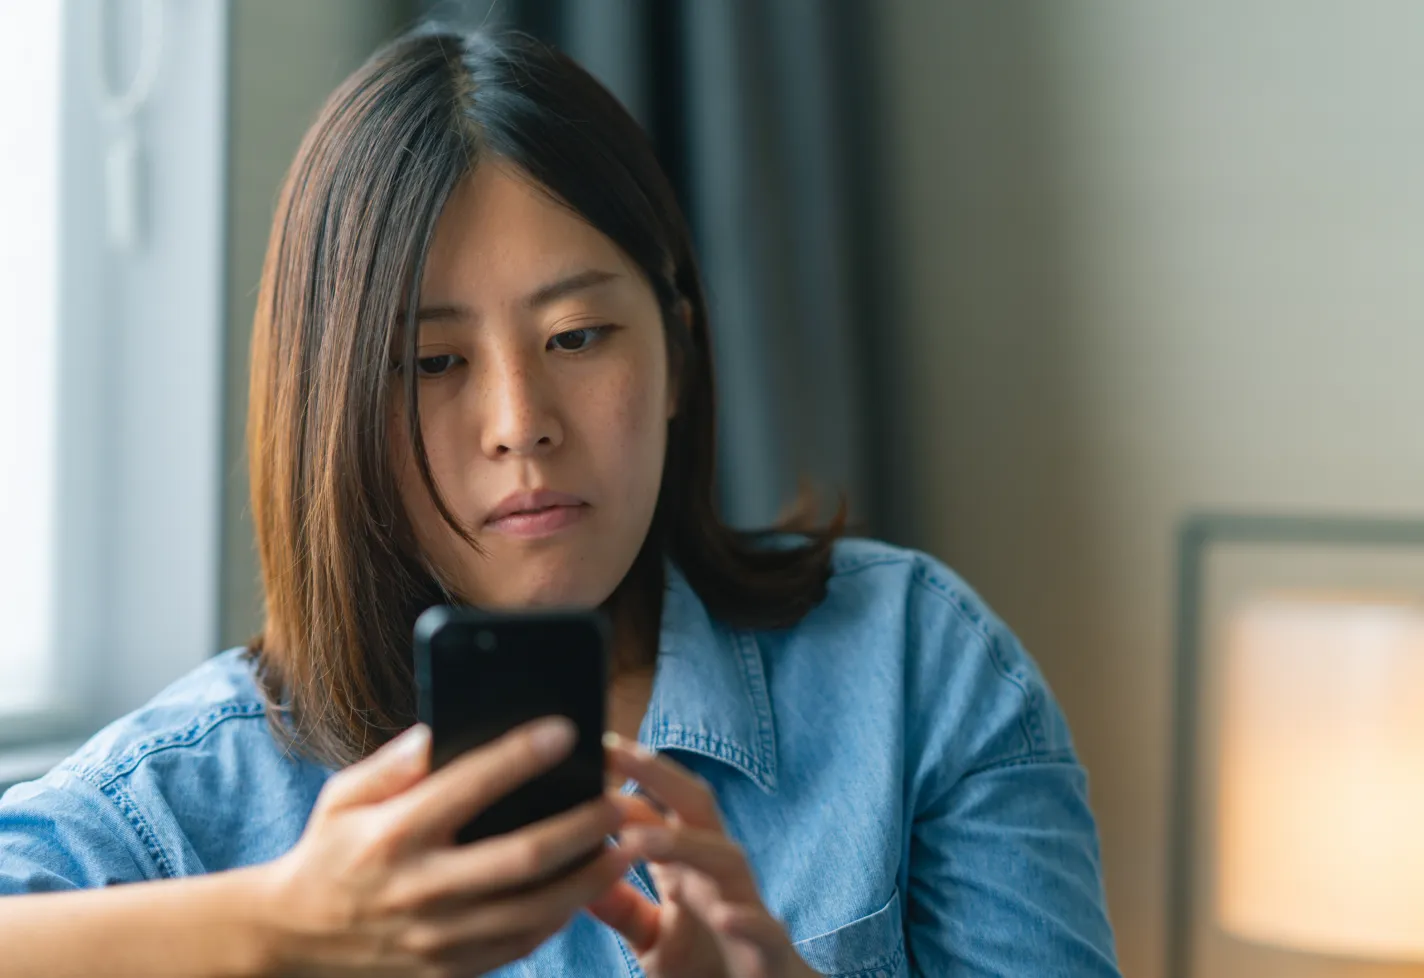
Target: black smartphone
x=478, y=674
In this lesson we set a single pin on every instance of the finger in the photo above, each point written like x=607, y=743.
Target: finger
x=710, y=853
x=506, y=862
x=392, y=769
x=667, y=881
x=614, y=744
x=453, y=795
x=629, y=913
x=482, y=957
x=665, y=781
x=637, y=811
x=541, y=910
x=751, y=923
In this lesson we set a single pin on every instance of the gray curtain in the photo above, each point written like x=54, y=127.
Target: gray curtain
x=764, y=114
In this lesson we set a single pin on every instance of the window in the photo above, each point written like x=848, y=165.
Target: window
x=110, y=401
x=29, y=408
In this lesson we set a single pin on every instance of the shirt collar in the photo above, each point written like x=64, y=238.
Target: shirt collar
x=709, y=691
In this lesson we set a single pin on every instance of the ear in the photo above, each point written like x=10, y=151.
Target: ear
x=683, y=311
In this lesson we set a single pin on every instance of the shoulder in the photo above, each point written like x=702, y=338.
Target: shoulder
x=186, y=713
x=901, y=618
x=193, y=781
x=891, y=575
x=879, y=586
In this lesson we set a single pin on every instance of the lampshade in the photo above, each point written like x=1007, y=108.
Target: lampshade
x=1320, y=817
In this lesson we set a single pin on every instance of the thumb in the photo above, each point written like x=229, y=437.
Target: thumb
x=637, y=811
x=398, y=765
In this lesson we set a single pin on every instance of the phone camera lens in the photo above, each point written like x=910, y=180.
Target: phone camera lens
x=485, y=640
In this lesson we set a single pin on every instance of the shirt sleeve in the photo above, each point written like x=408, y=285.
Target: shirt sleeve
x=63, y=833
x=1005, y=876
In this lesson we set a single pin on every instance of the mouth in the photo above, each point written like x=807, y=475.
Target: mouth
x=536, y=514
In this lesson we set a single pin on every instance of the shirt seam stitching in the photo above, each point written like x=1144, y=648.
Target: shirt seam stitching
x=675, y=736
x=755, y=681
x=103, y=774
x=1030, y=722
x=128, y=807
x=154, y=857
x=856, y=564
x=1045, y=758
x=108, y=782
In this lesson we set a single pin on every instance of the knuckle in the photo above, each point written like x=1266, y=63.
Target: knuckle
x=469, y=774
x=338, y=781
x=424, y=941
x=400, y=898
x=375, y=841
x=530, y=856
x=493, y=767
x=529, y=754
x=337, y=787
x=517, y=741
x=343, y=912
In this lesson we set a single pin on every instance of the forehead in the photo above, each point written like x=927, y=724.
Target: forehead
x=501, y=234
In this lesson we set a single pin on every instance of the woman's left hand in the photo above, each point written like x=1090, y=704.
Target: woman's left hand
x=711, y=922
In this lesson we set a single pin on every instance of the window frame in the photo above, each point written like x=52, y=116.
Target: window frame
x=140, y=472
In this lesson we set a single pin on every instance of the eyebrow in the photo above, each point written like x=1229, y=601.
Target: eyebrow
x=568, y=285
x=544, y=295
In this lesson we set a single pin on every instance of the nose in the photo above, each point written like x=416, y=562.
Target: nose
x=519, y=408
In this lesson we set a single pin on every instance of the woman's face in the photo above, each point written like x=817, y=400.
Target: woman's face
x=544, y=400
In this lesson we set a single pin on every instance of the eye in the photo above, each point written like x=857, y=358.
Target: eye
x=577, y=340
x=437, y=365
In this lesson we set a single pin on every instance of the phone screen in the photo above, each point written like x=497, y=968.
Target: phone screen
x=480, y=674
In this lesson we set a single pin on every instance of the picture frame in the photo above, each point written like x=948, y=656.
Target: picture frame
x=1224, y=560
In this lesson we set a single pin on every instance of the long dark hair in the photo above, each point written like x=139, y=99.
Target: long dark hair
x=341, y=570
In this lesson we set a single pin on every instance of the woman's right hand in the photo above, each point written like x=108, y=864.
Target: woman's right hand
x=376, y=886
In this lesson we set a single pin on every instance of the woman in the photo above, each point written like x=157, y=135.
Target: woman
x=481, y=372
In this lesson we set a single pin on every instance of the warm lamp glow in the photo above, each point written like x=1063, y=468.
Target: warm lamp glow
x=1320, y=831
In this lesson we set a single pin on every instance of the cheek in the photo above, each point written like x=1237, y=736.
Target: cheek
x=637, y=418
x=626, y=426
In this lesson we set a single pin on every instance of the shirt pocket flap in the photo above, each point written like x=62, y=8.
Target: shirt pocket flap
x=870, y=947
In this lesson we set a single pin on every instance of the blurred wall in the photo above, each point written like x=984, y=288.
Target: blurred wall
x=1155, y=258
x=286, y=58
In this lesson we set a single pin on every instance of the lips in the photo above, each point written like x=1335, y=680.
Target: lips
x=531, y=502
x=537, y=513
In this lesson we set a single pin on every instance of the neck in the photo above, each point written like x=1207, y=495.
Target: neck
x=636, y=612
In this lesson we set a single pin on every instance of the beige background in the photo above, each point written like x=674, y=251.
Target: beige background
x=1156, y=258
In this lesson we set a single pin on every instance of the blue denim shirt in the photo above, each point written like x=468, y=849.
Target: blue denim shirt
x=894, y=766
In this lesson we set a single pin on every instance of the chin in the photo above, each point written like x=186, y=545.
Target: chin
x=554, y=587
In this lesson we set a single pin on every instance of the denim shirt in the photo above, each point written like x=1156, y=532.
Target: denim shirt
x=894, y=766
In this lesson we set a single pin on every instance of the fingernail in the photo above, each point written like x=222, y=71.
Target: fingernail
x=413, y=744
x=615, y=741
x=649, y=840
x=553, y=738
